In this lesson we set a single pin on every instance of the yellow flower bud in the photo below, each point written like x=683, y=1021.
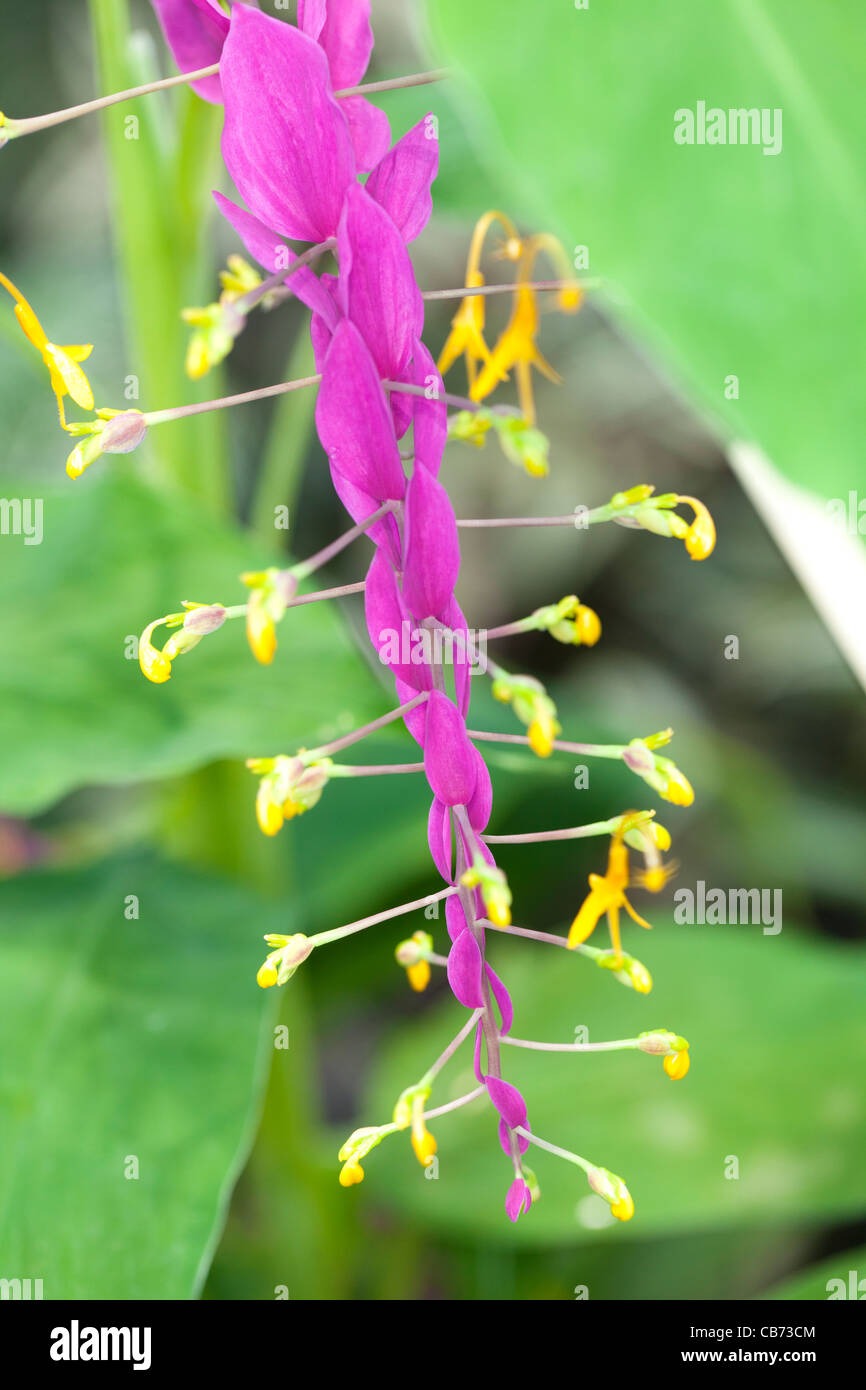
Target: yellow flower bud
x=261, y=633
x=676, y=1064
x=623, y=1210
x=641, y=979
x=351, y=1173
x=587, y=624
x=268, y=814
x=424, y=1145
x=542, y=733
x=266, y=976
x=678, y=789
x=419, y=975
x=499, y=913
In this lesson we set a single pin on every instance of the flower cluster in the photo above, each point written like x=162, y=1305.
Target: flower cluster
x=298, y=132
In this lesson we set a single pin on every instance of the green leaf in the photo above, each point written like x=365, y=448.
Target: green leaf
x=842, y=1276
x=727, y=260
x=114, y=556
x=136, y=1042
x=777, y=1051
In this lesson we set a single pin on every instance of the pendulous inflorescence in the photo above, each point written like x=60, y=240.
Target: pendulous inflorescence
x=298, y=133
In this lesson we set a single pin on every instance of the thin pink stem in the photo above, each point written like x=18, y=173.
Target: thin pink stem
x=348, y=739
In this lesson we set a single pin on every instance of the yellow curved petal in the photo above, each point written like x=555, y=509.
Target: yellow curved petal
x=634, y=916
x=74, y=381
x=584, y=924
x=30, y=325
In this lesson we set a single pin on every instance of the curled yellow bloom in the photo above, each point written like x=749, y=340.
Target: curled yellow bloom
x=67, y=378
x=499, y=913
x=700, y=538
x=607, y=896
x=154, y=663
x=516, y=348
x=466, y=337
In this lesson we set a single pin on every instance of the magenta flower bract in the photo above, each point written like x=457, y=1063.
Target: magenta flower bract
x=285, y=140
x=195, y=31
x=288, y=145
x=342, y=30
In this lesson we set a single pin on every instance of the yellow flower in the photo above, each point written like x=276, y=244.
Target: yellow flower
x=607, y=895
x=351, y=1173
x=423, y=1142
x=677, y=1064
x=411, y=954
x=419, y=976
x=542, y=734
x=154, y=663
x=67, y=378
x=467, y=332
x=623, y=1210
x=261, y=633
x=700, y=538
x=467, y=326
x=587, y=624
x=516, y=347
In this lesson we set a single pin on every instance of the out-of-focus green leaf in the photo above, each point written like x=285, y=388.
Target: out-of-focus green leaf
x=730, y=261
x=773, y=1093
x=114, y=556
x=132, y=1081
x=842, y=1276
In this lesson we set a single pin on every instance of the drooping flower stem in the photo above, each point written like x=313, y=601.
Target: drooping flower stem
x=555, y=1149
x=338, y=933
x=247, y=301
x=373, y=769
x=28, y=125
x=595, y=750
x=456, y=1104
x=445, y=1056
x=469, y=291
x=347, y=740
x=180, y=412
x=327, y=553
x=621, y=1045
x=573, y=832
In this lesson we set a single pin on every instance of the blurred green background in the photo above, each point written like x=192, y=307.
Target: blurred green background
x=156, y=1142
